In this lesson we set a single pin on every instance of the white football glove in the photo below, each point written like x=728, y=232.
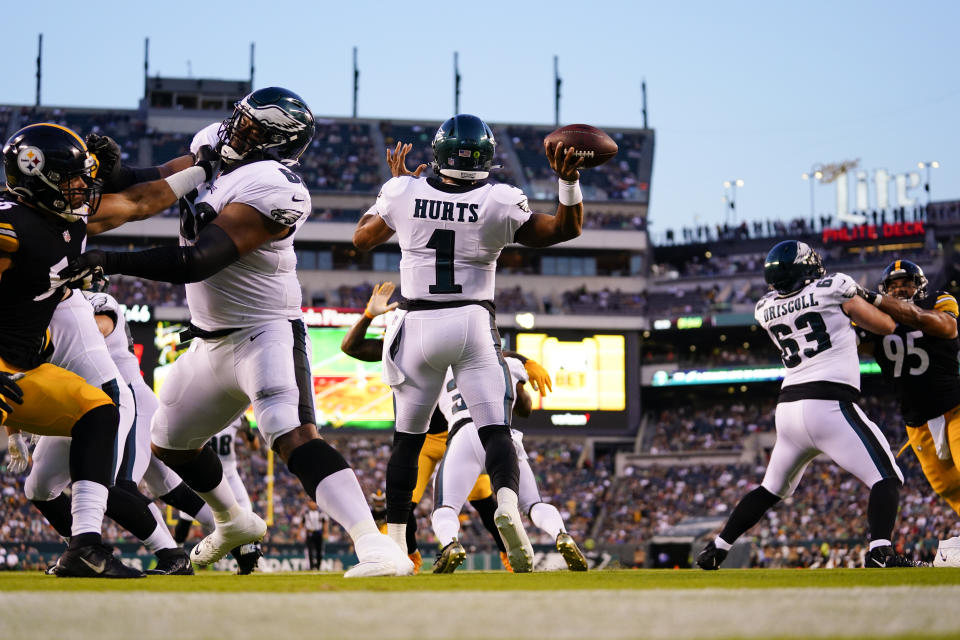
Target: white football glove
x=18, y=453
x=377, y=305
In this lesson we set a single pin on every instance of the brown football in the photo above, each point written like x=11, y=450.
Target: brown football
x=593, y=144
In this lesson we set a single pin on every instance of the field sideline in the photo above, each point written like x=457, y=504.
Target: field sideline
x=892, y=603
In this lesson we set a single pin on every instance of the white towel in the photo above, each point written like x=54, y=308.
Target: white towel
x=391, y=372
x=938, y=429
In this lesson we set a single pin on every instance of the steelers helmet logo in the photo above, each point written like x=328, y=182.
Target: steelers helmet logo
x=30, y=161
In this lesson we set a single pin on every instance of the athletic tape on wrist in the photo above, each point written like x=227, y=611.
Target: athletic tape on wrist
x=183, y=182
x=877, y=300
x=367, y=314
x=570, y=193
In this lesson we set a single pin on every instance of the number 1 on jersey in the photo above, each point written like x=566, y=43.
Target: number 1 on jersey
x=442, y=242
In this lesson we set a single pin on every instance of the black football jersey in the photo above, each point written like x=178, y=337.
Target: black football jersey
x=924, y=369
x=40, y=244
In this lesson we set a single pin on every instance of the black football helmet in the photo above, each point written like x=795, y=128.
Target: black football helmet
x=269, y=124
x=904, y=269
x=790, y=265
x=48, y=167
x=464, y=148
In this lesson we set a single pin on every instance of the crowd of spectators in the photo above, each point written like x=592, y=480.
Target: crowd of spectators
x=721, y=426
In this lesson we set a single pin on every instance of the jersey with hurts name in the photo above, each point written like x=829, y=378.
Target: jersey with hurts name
x=923, y=368
x=451, y=404
x=263, y=284
x=450, y=235
x=39, y=245
x=120, y=340
x=816, y=340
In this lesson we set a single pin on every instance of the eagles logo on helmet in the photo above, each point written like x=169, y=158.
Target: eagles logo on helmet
x=904, y=269
x=49, y=168
x=463, y=148
x=269, y=124
x=790, y=265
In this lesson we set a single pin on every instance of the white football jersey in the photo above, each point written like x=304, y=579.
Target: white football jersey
x=814, y=334
x=450, y=236
x=263, y=284
x=453, y=407
x=225, y=444
x=120, y=341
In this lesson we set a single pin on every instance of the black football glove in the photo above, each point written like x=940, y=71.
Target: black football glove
x=87, y=266
x=108, y=155
x=209, y=160
x=870, y=296
x=10, y=391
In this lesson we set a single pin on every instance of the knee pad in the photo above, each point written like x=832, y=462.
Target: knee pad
x=93, y=450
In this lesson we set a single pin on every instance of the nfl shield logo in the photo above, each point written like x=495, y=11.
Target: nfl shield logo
x=66, y=235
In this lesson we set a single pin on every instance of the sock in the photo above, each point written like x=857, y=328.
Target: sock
x=398, y=533
x=339, y=496
x=160, y=539
x=487, y=509
x=222, y=501
x=721, y=544
x=57, y=513
x=882, y=508
x=88, y=505
x=546, y=518
x=182, y=531
x=446, y=525
x=402, y=479
x=747, y=513
x=507, y=497
x=157, y=515
x=411, y=532
x=205, y=518
x=185, y=499
x=501, y=457
x=203, y=472
x=879, y=543
x=130, y=513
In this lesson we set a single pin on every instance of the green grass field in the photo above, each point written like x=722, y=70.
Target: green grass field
x=857, y=603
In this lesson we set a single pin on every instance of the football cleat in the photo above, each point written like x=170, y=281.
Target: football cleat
x=171, y=562
x=417, y=561
x=886, y=558
x=571, y=552
x=711, y=557
x=93, y=561
x=449, y=558
x=247, y=527
x=379, y=555
x=247, y=558
x=505, y=560
x=948, y=553
x=510, y=526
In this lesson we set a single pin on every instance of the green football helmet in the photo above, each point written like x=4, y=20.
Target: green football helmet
x=269, y=124
x=464, y=148
x=790, y=265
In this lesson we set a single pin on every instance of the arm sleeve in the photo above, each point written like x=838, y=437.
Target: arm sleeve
x=213, y=251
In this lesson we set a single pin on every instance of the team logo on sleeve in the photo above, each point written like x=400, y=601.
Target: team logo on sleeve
x=30, y=160
x=524, y=205
x=286, y=217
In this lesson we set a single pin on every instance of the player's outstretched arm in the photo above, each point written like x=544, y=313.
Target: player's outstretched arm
x=543, y=230
x=355, y=344
x=868, y=317
x=150, y=198
x=237, y=231
x=371, y=232
x=116, y=176
x=523, y=407
x=933, y=322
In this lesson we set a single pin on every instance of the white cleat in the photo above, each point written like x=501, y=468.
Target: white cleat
x=379, y=555
x=514, y=536
x=246, y=528
x=948, y=553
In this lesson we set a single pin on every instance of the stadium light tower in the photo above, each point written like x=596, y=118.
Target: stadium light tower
x=732, y=185
x=814, y=175
x=928, y=165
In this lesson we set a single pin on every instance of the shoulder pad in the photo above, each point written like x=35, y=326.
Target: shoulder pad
x=506, y=194
x=945, y=302
x=9, y=242
x=206, y=136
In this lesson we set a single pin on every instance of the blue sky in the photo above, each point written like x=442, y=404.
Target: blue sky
x=758, y=91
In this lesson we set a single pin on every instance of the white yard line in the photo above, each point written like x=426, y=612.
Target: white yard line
x=428, y=615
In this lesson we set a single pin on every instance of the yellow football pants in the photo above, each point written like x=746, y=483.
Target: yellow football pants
x=943, y=475
x=430, y=455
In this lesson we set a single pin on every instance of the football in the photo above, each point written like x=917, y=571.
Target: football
x=593, y=144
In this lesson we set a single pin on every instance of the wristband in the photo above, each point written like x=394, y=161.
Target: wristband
x=876, y=301
x=183, y=182
x=570, y=193
x=366, y=314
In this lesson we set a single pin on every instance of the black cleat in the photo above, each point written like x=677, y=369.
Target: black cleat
x=886, y=558
x=247, y=556
x=172, y=562
x=93, y=561
x=711, y=557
